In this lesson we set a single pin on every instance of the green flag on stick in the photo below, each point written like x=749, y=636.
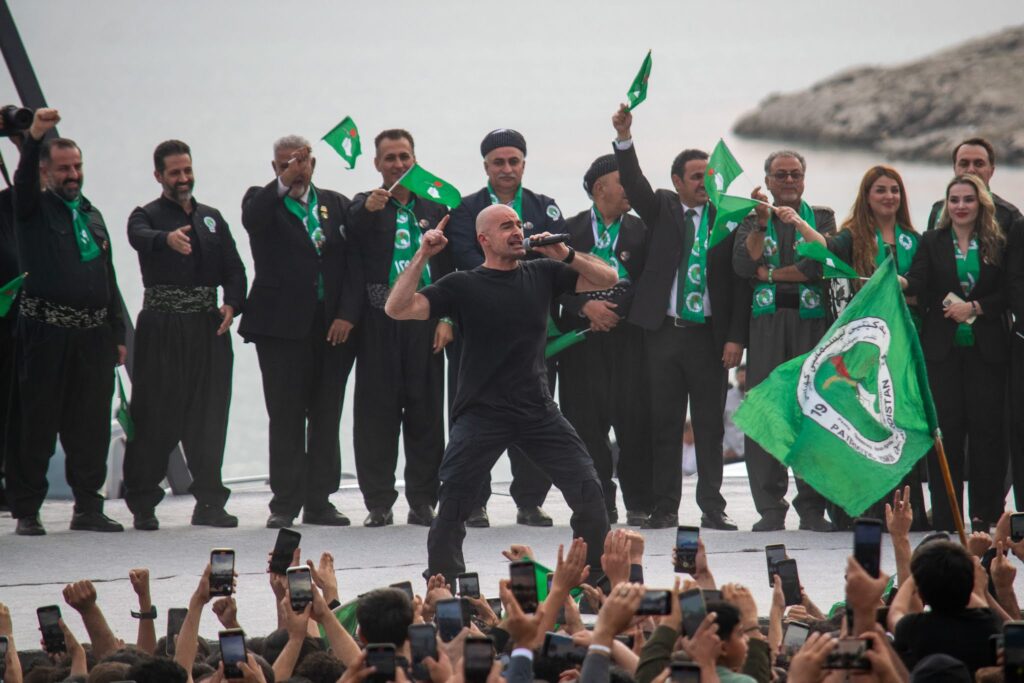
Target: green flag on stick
x=124, y=417
x=729, y=213
x=638, y=89
x=344, y=138
x=722, y=169
x=853, y=415
x=429, y=186
x=9, y=292
x=562, y=342
x=833, y=266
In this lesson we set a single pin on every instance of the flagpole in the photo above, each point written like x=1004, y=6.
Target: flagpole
x=948, y=479
x=390, y=189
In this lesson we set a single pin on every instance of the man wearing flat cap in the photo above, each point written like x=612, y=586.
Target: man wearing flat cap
x=504, y=153
x=603, y=379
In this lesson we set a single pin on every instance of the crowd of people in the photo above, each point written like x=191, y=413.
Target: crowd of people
x=938, y=619
x=340, y=283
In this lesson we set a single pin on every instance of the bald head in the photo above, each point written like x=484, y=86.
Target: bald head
x=493, y=216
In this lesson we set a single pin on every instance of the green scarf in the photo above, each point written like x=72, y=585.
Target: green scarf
x=308, y=215
x=906, y=247
x=764, y=292
x=87, y=247
x=606, y=239
x=968, y=270
x=516, y=203
x=691, y=281
x=407, y=242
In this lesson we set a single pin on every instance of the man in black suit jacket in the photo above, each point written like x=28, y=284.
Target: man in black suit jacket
x=693, y=335
x=304, y=302
x=977, y=157
x=604, y=379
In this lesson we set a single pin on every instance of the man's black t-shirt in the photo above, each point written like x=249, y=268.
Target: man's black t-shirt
x=502, y=317
x=963, y=635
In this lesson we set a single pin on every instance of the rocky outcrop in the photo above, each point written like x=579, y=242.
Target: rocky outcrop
x=915, y=111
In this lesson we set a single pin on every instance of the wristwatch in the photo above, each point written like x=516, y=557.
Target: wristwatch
x=151, y=614
x=572, y=255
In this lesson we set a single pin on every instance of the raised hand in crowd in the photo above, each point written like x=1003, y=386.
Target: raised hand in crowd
x=146, y=639
x=899, y=517
x=226, y=610
x=809, y=662
x=12, y=662
x=615, y=560
x=1003, y=574
x=518, y=552
x=324, y=577
x=81, y=595
x=76, y=652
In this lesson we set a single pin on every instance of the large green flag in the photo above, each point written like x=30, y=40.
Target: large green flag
x=833, y=266
x=8, y=293
x=722, y=169
x=852, y=416
x=429, y=186
x=344, y=138
x=124, y=417
x=638, y=89
x=729, y=213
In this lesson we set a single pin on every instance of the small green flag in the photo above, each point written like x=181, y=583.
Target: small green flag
x=561, y=343
x=853, y=415
x=8, y=293
x=638, y=90
x=124, y=417
x=729, y=213
x=721, y=171
x=344, y=138
x=429, y=186
x=833, y=265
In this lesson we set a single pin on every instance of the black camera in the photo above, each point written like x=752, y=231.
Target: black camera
x=16, y=119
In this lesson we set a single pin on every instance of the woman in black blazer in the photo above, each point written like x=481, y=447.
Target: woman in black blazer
x=965, y=347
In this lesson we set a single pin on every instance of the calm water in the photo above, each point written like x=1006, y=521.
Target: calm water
x=229, y=77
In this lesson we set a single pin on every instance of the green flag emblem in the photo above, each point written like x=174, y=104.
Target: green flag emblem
x=344, y=139
x=429, y=186
x=638, y=89
x=833, y=266
x=8, y=293
x=722, y=169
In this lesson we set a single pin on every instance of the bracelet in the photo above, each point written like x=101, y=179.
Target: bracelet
x=974, y=307
x=150, y=614
x=447, y=321
x=600, y=648
x=569, y=259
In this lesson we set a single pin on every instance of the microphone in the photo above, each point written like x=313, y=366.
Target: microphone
x=531, y=242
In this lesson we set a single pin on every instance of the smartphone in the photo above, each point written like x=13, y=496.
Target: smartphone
x=175, y=618
x=381, y=656
x=560, y=647
x=867, y=544
x=656, y=602
x=1017, y=526
x=468, y=584
x=691, y=604
x=405, y=587
x=4, y=643
x=284, y=550
x=495, y=604
x=449, y=618
x=794, y=636
x=523, y=582
x=232, y=651
x=882, y=617
x=422, y=644
x=629, y=641
x=53, y=636
x=686, y=549
x=995, y=644
x=849, y=654
x=685, y=672
x=790, y=581
x=1013, y=651
x=477, y=658
x=222, y=571
x=300, y=587
x=774, y=554
x=711, y=595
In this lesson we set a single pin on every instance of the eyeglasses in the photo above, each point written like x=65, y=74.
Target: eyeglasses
x=782, y=175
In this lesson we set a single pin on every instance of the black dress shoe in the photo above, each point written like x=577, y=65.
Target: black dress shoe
x=279, y=520
x=613, y=516
x=533, y=516
x=420, y=515
x=30, y=526
x=770, y=522
x=636, y=517
x=93, y=521
x=819, y=524
x=379, y=517
x=718, y=520
x=146, y=521
x=329, y=516
x=661, y=520
x=208, y=515
x=478, y=519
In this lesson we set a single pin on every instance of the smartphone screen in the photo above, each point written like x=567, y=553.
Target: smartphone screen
x=1017, y=526
x=1013, y=651
x=381, y=656
x=477, y=658
x=523, y=582
x=175, y=618
x=691, y=603
x=3, y=655
x=222, y=571
x=774, y=554
x=560, y=647
x=495, y=604
x=790, y=581
x=655, y=602
x=232, y=651
x=711, y=595
x=686, y=549
x=685, y=672
x=849, y=654
x=794, y=637
x=284, y=550
x=422, y=644
x=867, y=545
x=49, y=625
x=469, y=585
x=300, y=587
x=449, y=618
x=405, y=587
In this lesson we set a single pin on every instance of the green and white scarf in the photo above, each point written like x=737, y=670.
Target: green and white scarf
x=407, y=241
x=516, y=203
x=968, y=270
x=691, y=280
x=310, y=219
x=810, y=294
x=87, y=247
x=606, y=240
x=906, y=247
